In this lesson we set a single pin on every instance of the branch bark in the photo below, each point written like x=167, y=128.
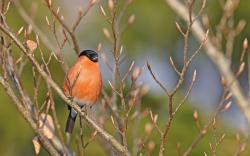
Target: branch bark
x=222, y=63
x=45, y=142
x=109, y=138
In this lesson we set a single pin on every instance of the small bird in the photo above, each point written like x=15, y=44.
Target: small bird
x=83, y=84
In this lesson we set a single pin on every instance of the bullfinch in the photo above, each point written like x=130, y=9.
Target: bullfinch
x=82, y=83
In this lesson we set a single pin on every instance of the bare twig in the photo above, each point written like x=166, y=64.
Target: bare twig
x=83, y=13
x=156, y=80
x=69, y=31
x=204, y=129
x=46, y=143
x=37, y=30
x=110, y=139
x=216, y=56
x=181, y=75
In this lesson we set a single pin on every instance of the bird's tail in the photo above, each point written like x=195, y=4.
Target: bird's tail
x=71, y=121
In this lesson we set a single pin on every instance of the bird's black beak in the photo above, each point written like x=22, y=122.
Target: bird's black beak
x=94, y=58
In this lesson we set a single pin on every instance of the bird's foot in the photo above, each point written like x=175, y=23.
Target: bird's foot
x=84, y=109
x=71, y=98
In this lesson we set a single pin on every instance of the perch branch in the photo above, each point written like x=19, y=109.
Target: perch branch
x=110, y=139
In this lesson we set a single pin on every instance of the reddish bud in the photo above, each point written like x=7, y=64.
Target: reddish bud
x=148, y=128
x=37, y=145
x=93, y=2
x=49, y=3
x=136, y=73
x=80, y=12
x=131, y=19
x=241, y=25
x=150, y=146
x=99, y=47
x=243, y=147
x=204, y=131
x=194, y=75
x=37, y=39
x=47, y=20
x=57, y=10
x=93, y=135
x=223, y=82
x=241, y=68
x=31, y=45
x=106, y=33
x=227, y=106
x=195, y=116
x=111, y=5
x=155, y=118
x=144, y=90
x=178, y=27
x=20, y=31
x=245, y=43
x=205, y=20
x=229, y=95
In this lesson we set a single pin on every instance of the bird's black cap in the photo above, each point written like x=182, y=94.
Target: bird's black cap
x=92, y=55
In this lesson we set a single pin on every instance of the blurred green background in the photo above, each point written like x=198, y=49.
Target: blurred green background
x=152, y=37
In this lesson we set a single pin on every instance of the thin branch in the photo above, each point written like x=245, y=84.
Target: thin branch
x=70, y=32
x=204, y=130
x=36, y=29
x=47, y=42
x=156, y=80
x=216, y=56
x=82, y=14
x=110, y=139
x=199, y=48
x=174, y=66
x=54, y=114
x=187, y=93
x=48, y=146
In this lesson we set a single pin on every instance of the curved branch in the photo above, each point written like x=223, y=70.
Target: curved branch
x=109, y=138
x=45, y=142
x=216, y=56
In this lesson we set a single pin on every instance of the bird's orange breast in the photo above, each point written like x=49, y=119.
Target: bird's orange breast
x=83, y=81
